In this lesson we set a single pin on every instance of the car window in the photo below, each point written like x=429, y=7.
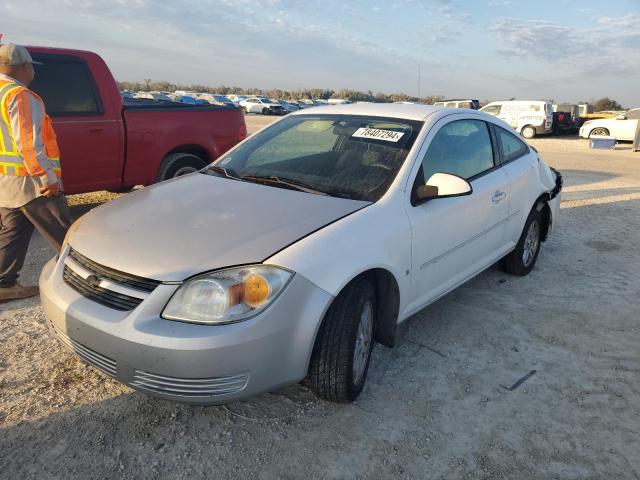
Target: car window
x=347, y=156
x=512, y=147
x=451, y=104
x=66, y=86
x=462, y=148
x=633, y=114
x=492, y=109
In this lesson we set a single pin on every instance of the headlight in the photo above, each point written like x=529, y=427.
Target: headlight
x=227, y=296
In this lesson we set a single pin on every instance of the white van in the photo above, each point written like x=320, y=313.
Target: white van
x=529, y=117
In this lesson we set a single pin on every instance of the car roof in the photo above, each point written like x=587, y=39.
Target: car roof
x=392, y=110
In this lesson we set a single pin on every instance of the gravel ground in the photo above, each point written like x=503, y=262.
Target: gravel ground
x=436, y=406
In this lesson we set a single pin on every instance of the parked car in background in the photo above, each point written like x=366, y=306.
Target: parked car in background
x=189, y=100
x=527, y=117
x=262, y=105
x=295, y=252
x=237, y=98
x=107, y=144
x=622, y=127
x=216, y=99
x=288, y=106
x=158, y=96
x=473, y=104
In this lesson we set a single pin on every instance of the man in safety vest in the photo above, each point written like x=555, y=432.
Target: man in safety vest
x=30, y=188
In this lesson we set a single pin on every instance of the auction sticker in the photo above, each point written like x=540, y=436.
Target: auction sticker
x=378, y=134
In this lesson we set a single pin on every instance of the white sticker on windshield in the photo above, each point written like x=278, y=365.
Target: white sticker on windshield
x=386, y=135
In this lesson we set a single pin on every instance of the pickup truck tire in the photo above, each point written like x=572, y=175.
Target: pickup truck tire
x=522, y=260
x=342, y=350
x=178, y=164
x=528, y=132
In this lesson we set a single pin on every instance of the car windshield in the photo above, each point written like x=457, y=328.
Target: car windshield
x=355, y=157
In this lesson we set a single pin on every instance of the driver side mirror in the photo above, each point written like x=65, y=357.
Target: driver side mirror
x=443, y=185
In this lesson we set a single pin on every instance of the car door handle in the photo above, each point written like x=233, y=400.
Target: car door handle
x=95, y=129
x=498, y=196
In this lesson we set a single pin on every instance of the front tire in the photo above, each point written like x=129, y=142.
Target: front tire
x=342, y=351
x=528, y=132
x=522, y=260
x=599, y=132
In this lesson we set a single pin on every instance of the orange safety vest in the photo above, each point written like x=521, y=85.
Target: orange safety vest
x=12, y=161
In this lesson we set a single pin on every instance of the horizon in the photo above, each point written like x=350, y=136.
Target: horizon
x=559, y=50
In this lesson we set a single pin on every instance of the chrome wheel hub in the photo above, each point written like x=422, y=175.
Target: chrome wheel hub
x=531, y=242
x=364, y=338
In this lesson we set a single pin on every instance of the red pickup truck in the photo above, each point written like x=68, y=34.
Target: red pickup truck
x=107, y=144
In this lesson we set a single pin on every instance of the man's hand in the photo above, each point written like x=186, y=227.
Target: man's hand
x=52, y=190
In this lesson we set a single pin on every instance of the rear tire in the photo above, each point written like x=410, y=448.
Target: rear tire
x=342, y=350
x=178, y=164
x=528, y=132
x=522, y=260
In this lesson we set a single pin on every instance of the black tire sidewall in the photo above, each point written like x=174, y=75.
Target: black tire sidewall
x=365, y=293
x=534, y=216
x=176, y=161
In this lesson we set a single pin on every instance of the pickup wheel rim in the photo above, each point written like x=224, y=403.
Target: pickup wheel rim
x=531, y=243
x=362, y=348
x=185, y=171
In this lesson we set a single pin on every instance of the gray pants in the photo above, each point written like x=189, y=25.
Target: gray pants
x=50, y=216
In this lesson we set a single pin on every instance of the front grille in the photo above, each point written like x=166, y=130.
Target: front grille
x=144, y=284
x=92, y=357
x=107, y=297
x=189, y=387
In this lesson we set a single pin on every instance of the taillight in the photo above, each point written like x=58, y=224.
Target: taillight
x=242, y=133
x=561, y=117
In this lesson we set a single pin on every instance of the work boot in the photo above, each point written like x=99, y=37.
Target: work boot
x=16, y=292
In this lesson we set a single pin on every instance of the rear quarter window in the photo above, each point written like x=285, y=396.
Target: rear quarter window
x=511, y=147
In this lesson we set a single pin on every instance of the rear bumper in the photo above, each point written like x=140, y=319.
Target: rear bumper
x=199, y=364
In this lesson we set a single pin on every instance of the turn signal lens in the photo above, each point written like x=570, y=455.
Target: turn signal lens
x=256, y=290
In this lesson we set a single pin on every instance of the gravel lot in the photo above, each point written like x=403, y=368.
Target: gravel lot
x=435, y=406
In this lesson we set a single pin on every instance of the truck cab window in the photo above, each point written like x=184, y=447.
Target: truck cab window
x=66, y=87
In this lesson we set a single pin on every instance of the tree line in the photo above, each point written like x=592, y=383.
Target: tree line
x=147, y=85
x=299, y=94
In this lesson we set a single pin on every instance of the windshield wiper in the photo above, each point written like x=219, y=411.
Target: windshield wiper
x=285, y=182
x=227, y=172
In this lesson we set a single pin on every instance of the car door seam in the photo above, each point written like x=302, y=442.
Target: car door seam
x=460, y=245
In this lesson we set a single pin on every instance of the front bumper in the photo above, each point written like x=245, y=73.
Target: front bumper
x=199, y=364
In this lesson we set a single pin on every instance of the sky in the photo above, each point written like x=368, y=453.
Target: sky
x=566, y=50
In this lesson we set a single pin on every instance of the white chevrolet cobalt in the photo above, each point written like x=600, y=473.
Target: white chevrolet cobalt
x=294, y=252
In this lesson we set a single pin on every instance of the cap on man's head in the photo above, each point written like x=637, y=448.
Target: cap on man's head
x=11, y=54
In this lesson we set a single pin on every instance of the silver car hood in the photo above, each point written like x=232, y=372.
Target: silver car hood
x=198, y=223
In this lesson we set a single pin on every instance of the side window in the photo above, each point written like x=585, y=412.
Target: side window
x=512, y=147
x=66, y=86
x=451, y=104
x=462, y=148
x=492, y=110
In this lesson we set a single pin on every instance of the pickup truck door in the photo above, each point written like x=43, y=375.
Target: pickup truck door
x=88, y=123
x=455, y=238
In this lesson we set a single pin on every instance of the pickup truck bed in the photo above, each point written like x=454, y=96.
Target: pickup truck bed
x=107, y=144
